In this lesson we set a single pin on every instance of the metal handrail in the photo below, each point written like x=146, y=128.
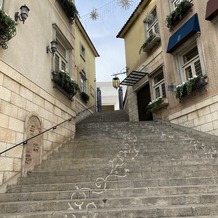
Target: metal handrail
x=86, y=109
x=26, y=141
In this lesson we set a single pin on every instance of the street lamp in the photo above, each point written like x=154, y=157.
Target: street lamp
x=116, y=82
x=116, y=85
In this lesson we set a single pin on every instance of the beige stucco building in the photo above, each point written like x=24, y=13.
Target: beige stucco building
x=31, y=100
x=85, y=69
x=176, y=65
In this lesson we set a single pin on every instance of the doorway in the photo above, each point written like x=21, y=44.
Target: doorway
x=143, y=99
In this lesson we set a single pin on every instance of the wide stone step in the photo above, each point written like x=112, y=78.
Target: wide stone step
x=104, y=203
x=142, y=163
x=104, y=193
x=110, y=193
x=199, y=210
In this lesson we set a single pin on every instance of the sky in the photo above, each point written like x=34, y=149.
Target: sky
x=103, y=31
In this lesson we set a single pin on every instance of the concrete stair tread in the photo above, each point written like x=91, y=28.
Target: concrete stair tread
x=166, y=172
x=192, y=210
x=205, y=197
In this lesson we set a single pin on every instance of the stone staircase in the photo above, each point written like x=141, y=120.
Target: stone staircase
x=120, y=169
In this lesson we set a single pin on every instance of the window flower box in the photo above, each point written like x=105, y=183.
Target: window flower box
x=7, y=29
x=188, y=88
x=150, y=43
x=157, y=104
x=84, y=97
x=178, y=14
x=65, y=84
x=69, y=8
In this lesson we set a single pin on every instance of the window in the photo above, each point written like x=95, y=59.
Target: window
x=83, y=81
x=1, y=4
x=159, y=86
x=191, y=64
x=82, y=51
x=61, y=57
x=152, y=24
x=176, y=2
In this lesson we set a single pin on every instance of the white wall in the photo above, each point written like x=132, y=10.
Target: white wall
x=109, y=95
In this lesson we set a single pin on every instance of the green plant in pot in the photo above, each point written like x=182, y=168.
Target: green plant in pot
x=84, y=97
x=147, y=42
x=7, y=28
x=63, y=80
x=175, y=16
x=155, y=104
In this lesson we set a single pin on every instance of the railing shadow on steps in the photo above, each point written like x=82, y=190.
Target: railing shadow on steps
x=41, y=133
x=81, y=114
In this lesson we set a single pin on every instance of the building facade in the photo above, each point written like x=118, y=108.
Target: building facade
x=85, y=71
x=176, y=62
x=37, y=82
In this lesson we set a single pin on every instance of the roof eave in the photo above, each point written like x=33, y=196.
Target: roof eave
x=132, y=19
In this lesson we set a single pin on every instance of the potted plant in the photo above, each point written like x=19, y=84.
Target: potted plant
x=188, y=87
x=150, y=42
x=69, y=8
x=156, y=104
x=64, y=83
x=84, y=97
x=175, y=16
x=7, y=29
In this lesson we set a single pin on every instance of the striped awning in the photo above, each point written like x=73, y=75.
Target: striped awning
x=133, y=78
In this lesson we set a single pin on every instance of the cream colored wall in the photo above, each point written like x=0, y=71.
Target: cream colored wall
x=88, y=65
x=143, y=61
x=27, y=50
x=26, y=87
x=135, y=37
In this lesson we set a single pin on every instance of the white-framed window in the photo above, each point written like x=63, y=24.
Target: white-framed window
x=159, y=89
x=189, y=62
x=92, y=91
x=62, y=57
x=176, y=2
x=82, y=51
x=83, y=81
x=1, y=4
x=189, y=59
x=151, y=23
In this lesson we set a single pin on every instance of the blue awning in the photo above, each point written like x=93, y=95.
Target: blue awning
x=183, y=33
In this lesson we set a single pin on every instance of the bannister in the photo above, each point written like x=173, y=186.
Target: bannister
x=87, y=109
x=26, y=141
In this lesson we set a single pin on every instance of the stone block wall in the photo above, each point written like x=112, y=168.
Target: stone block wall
x=19, y=100
x=202, y=116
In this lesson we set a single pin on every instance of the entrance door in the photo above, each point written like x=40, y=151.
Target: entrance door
x=143, y=98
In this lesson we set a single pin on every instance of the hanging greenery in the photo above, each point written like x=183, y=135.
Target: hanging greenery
x=181, y=10
x=63, y=81
x=7, y=29
x=69, y=8
x=188, y=87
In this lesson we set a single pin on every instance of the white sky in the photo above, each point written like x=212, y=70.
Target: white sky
x=103, y=32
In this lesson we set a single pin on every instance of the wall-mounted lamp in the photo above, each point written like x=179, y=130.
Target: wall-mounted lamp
x=53, y=48
x=116, y=82
x=24, y=11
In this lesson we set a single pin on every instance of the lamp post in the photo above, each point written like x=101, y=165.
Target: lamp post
x=116, y=85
